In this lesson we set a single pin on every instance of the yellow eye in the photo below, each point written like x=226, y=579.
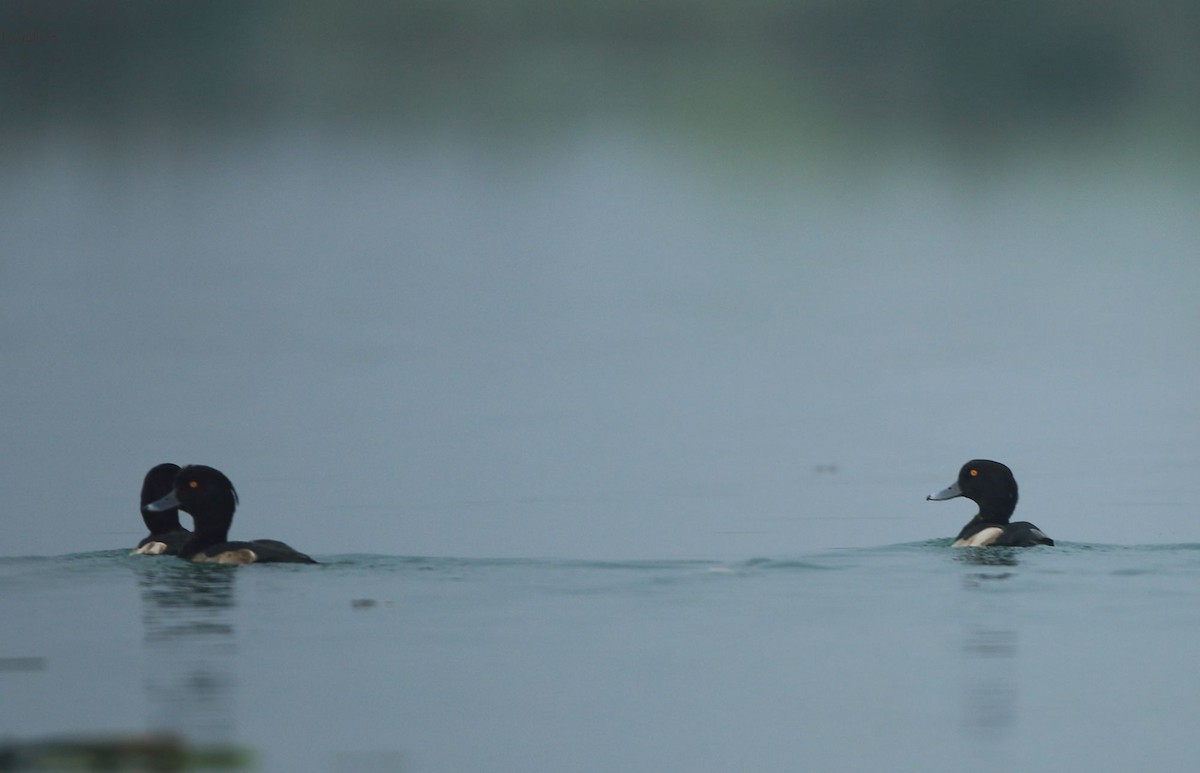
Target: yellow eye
x=194, y=484
x=973, y=474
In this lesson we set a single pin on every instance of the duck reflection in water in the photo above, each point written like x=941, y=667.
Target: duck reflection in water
x=189, y=643
x=989, y=692
x=989, y=648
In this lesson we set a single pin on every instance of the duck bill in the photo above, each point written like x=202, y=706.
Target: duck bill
x=950, y=492
x=166, y=503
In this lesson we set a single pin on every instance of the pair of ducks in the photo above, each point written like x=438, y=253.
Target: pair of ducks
x=209, y=497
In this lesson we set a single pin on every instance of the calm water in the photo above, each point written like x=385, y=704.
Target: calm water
x=651, y=361
x=607, y=347
x=909, y=657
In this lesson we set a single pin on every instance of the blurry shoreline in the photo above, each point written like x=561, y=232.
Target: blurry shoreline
x=964, y=75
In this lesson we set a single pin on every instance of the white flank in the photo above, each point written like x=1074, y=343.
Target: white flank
x=241, y=556
x=979, y=539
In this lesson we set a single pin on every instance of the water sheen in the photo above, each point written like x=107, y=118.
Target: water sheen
x=911, y=656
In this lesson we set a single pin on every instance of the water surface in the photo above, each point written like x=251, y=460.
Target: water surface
x=913, y=656
x=607, y=346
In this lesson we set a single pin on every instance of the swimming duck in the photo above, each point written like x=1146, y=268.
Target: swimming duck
x=992, y=486
x=209, y=497
x=167, y=536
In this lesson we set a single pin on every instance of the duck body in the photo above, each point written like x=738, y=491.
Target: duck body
x=209, y=497
x=167, y=544
x=979, y=534
x=990, y=485
x=167, y=536
x=259, y=551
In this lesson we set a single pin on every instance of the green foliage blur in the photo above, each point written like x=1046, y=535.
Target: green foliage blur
x=975, y=71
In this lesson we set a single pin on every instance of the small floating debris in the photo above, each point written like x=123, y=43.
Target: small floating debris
x=22, y=664
x=368, y=603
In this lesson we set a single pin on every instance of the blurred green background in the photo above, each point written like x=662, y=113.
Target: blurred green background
x=974, y=76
